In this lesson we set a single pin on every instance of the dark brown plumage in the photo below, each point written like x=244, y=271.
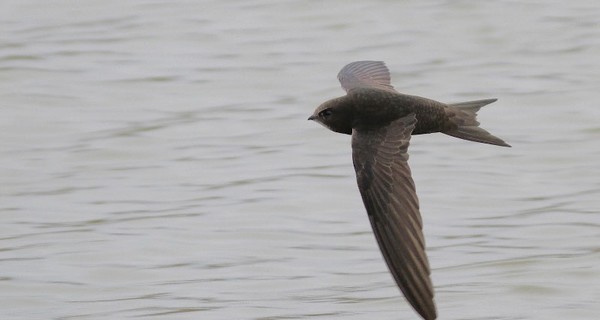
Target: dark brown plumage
x=381, y=121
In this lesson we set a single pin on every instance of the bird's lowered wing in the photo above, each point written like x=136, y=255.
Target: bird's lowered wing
x=388, y=192
x=365, y=74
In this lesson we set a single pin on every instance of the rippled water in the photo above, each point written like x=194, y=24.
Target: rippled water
x=156, y=161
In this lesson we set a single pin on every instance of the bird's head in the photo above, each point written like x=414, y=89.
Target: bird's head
x=335, y=114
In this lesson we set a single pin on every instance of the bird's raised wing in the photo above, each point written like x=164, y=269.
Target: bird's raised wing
x=388, y=192
x=365, y=74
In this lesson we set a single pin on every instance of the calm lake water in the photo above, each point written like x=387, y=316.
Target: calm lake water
x=156, y=161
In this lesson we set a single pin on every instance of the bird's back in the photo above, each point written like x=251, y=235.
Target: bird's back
x=376, y=108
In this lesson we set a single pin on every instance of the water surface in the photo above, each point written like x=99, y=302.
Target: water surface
x=156, y=161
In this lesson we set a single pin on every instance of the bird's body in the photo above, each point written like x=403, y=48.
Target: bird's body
x=375, y=107
x=381, y=121
x=365, y=108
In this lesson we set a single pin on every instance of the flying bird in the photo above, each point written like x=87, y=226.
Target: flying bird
x=381, y=121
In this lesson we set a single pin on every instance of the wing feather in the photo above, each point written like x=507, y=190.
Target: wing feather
x=388, y=192
x=365, y=74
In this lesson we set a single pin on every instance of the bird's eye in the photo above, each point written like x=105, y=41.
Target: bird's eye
x=325, y=113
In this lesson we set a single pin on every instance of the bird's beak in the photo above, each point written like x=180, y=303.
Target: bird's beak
x=312, y=117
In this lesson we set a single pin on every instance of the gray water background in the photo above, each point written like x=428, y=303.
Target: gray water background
x=156, y=161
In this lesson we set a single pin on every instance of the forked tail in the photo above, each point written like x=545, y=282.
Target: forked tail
x=464, y=115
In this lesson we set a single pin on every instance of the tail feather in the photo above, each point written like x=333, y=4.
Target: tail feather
x=476, y=134
x=464, y=115
x=472, y=105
